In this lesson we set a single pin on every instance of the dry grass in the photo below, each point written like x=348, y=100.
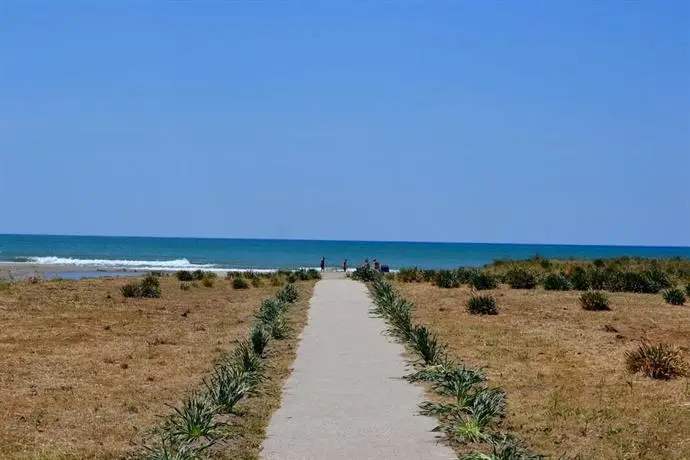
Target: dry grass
x=86, y=372
x=563, y=368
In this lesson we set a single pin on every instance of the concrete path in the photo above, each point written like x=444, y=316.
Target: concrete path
x=345, y=398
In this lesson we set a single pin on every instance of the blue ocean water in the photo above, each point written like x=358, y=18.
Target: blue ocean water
x=147, y=253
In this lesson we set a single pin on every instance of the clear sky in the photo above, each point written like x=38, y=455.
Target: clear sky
x=533, y=121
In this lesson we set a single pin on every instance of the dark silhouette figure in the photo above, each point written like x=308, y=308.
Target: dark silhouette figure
x=323, y=263
x=376, y=265
x=345, y=265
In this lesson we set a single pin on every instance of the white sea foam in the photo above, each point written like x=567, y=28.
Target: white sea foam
x=179, y=264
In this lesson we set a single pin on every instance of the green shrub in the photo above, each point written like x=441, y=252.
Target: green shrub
x=184, y=286
x=428, y=276
x=483, y=280
x=482, y=305
x=594, y=301
x=519, y=278
x=427, y=345
x=257, y=282
x=194, y=420
x=184, y=275
x=150, y=287
x=198, y=275
x=556, y=282
x=259, y=339
x=464, y=275
x=674, y=296
x=365, y=274
x=239, y=283
x=207, y=282
x=227, y=386
x=314, y=274
x=446, y=279
x=276, y=280
x=579, y=279
x=130, y=290
x=410, y=275
x=288, y=294
x=661, y=361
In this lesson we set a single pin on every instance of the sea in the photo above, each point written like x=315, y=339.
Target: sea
x=152, y=253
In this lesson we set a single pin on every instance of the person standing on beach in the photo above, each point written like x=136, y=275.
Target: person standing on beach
x=345, y=265
x=323, y=263
x=376, y=265
x=366, y=263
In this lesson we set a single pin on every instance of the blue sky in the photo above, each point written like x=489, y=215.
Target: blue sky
x=553, y=122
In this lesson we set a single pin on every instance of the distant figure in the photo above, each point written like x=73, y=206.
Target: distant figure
x=376, y=265
x=345, y=265
x=323, y=263
x=366, y=263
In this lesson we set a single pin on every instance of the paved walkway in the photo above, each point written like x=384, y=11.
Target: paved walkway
x=345, y=398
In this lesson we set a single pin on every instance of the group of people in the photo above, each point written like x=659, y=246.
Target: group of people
x=365, y=265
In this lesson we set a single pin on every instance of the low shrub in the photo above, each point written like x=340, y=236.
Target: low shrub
x=519, y=278
x=556, y=282
x=410, y=275
x=185, y=286
x=594, y=301
x=288, y=294
x=482, y=305
x=291, y=277
x=674, y=296
x=483, y=280
x=184, y=275
x=661, y=361
x=130, y=290
x=464, y=275
x=579, y=279
x=427, y=345
x=198, y=275
x=259, y=338
x=239, y=283
x=314, y=274
x=207, y=282
x=428, y=276
x=257, y=282
x=365, y=274
x=446, y=279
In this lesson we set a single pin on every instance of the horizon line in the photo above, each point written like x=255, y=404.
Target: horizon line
x=351, y=241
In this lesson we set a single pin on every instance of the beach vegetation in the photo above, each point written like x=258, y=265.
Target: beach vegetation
x=594, y=301
x=260, y=338
x=291, y=277
x=427, y=345
x=185, y=286
x=483, y=281
x=482, y=305
x=196, y=419
x=239, y=283
x=447, y=279
x=410, y=275
x=148, y=287
x=661, y=361
x=207, y=281
x=246, y=359
x=674, y=296
x=556, y=282
x=365, y=274
x=579, y=279
x=288, y=294
x=520, y=278
x=257, y=282
x=227, y=385
x=184, y=275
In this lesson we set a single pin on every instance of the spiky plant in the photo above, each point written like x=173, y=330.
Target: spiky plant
x=674, y=296
x=270, y=310
x=504, y=447
x=130, y=290
x=594, y=301
x=259, y=339
x=288, y=294
x=279, y=328
x=400, y=318
x=520, y=278
x=194, y=421
x=461, y=383
x=482, y=305
x=661, y=361
x=482, y=280
x=427, y=345
x=446, y=279
x=227, y=386
x=239, y=283
x=246, y=359
x=168, y=449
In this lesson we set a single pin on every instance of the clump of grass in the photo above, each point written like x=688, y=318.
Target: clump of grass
x=185, y=286
x=227, y=386
x=207, y=282
x=365, y=274
x=149, y=287
x=239, y=283
x=194, y=420
x=184, y=275
x=687, y=289
x=674, y=296
x=482, y=305
x=427, y=345
x=520, y=278
x=291, y=277
x=483, y=281
x=259, y=339
x=5, y=286
x=257, y=282
x=410, y=275
x=246, y=359
x=446, y=279
x=579, y=279
x=594, y=301
x=288, y=294
x=661, y=361
x=556, y=282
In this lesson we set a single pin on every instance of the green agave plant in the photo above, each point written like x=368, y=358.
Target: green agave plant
x=227, y=386
x=259, y=338
x=427, y=345
x=194, y=420
x=246, y=359
x=288, y=294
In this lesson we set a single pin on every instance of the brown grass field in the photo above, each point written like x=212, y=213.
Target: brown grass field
x=84, y=373
x=564, y=370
